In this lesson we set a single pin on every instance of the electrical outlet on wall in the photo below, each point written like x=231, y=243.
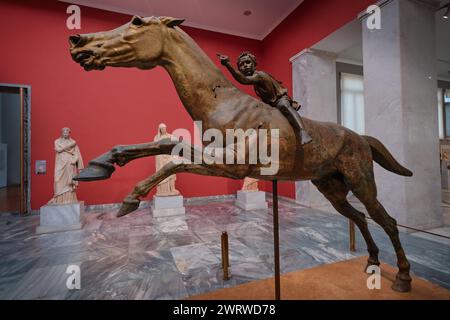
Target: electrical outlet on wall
x=41, y=167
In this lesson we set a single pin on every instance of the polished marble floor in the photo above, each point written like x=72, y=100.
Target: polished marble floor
x=139, y=257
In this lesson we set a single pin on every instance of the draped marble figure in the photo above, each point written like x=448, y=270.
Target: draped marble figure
x=166, y=187
x=250, y=184
x=68, y=161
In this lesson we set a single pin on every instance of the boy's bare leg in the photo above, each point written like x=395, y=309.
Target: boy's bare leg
x=294, y=119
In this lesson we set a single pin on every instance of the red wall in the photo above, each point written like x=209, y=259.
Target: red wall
x=125, y=106
x=309, y=23
x=114, y=106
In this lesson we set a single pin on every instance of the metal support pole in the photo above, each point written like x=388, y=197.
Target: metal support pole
x=276, y=239
x=352, y=236
x=225, y=256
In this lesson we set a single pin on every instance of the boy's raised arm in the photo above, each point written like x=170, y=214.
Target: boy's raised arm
x=238, y=76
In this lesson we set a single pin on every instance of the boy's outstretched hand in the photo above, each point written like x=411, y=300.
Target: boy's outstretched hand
x=224, y=60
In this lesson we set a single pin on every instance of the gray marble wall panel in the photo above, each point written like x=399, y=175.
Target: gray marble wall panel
x=314, y=87
x=400, y=109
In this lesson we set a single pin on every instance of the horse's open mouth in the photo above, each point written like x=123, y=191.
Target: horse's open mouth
x=82, y=56
x=87, y=60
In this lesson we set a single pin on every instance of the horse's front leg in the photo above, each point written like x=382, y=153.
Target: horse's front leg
x=102, y=167
x=131, y=202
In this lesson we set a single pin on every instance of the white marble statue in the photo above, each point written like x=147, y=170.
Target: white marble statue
x=67, y=163
x=166, y=187
x=250, y=184
x=249, y=197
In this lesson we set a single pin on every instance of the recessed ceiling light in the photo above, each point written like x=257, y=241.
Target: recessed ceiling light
x=247, y=13
x=445, y=16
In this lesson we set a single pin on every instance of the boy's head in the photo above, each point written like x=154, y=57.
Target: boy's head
x=246, y=63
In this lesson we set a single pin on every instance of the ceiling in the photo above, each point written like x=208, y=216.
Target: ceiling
x=347, y=44
x=225, y=16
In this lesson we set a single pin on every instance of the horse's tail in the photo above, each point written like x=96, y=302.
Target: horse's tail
x=384, y=158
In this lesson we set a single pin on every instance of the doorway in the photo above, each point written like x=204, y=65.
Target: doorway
x=15, y=148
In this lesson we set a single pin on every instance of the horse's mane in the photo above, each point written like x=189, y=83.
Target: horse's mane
x=196, y=48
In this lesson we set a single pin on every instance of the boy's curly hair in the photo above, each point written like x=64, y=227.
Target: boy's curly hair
x=246, y=54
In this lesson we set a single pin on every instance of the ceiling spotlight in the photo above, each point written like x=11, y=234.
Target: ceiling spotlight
x=447, y=10
x=247, y=13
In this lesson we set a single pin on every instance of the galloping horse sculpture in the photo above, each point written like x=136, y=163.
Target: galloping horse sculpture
x=336, y=161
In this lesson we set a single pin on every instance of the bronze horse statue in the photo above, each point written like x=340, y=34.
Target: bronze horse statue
x=337, y=160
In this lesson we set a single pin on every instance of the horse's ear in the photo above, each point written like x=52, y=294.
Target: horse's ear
x=171, y=22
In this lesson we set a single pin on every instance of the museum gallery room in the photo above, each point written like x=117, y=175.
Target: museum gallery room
x=225, y=150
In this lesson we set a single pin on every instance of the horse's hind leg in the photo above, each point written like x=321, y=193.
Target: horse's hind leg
x=335, y=190
x=360, y=178
x=402, y=282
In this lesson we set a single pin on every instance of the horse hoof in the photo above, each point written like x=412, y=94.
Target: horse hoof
x=127, y=207
x=94, y=172
x=402, y=285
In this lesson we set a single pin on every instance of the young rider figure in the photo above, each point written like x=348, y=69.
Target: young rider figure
x=268, y=89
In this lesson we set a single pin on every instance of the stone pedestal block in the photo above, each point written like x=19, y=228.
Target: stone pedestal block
x=167, y=206
x=61, y=217
x=251, y=200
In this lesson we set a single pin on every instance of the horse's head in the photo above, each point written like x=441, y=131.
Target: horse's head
x=138, y=43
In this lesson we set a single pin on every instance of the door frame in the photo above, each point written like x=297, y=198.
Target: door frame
x=25, y=125
x=444, y=85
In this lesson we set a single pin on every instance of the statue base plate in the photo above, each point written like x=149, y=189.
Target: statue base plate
x=61, y=217
x=168, y=206
x=251, y=200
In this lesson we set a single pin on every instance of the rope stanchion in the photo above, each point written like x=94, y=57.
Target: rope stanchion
x=225, y=256
x=352, y=235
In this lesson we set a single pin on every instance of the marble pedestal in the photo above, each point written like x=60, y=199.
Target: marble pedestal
x=251, y=200
x=61, y=217
x=167, y=206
